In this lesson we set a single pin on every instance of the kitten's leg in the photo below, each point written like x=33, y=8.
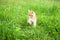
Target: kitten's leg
x=29, y=22
x=34, y=23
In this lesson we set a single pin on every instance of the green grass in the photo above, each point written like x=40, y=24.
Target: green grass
x=13, y=20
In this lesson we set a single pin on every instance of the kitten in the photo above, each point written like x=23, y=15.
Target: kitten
x=31, y=18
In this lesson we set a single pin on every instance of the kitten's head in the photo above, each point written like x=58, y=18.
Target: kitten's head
x=30, y=12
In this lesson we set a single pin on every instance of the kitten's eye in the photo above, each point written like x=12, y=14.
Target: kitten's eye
x=31, y=15
x=32, y=12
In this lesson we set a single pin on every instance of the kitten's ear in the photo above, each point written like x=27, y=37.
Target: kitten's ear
x=28, y=10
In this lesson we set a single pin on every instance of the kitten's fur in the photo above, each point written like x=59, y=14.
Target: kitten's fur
x=31, y=18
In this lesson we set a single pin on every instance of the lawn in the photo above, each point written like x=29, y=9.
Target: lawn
x=13, y=20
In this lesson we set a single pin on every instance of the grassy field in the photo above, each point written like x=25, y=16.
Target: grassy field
x=13, y=20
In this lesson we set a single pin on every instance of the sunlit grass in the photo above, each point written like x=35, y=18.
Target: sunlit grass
x=13, y=20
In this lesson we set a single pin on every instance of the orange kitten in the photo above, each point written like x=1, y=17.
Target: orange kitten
x=31, y=17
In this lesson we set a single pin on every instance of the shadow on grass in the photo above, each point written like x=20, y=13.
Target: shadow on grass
x=25, y=25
